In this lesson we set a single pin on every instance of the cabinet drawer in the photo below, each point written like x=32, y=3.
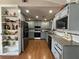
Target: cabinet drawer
x=56, y=54
x=58, y=47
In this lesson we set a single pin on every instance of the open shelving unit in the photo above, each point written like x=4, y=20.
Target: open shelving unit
x=10, y=30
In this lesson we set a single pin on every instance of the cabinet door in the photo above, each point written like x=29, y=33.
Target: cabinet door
x=31, y=24
x=56, y=54
x=37, y=23
x=31, y=34
x=1, y=44
x=52, y=45
x=64, y=12
x=49, y=42
x=1, y=49
x=74, y=17
x=44, y=35
x=71, y=52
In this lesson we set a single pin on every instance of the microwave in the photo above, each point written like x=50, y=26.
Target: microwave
x=62, y=23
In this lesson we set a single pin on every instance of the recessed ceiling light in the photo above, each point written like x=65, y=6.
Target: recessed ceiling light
x=37, y=16
x=45, y=19
x=27, y=11
x=29, y=19
x=71, y=1
x=19, y=11
x=50, y=11
x=68, y=1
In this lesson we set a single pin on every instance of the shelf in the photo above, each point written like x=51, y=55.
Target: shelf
x=8, y=16
x=10, y=22
x=9, y=30
x=11, y=53
x=9, y=35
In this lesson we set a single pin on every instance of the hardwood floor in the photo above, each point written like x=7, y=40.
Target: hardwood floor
x=36, y=49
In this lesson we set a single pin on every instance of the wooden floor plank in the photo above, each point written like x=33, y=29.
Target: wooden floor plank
x=36, y=49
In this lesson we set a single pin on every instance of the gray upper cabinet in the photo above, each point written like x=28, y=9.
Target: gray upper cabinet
x=72, y=21
x=37, y=23
x=74, y=17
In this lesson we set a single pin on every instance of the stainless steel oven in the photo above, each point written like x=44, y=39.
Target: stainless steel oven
x=37, y=32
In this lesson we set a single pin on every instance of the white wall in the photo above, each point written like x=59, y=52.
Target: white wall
x=9, y=1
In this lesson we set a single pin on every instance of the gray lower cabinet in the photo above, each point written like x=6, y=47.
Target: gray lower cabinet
x=44, y=35
x=31, y=34
x=62, y=49
x=71, y=52
x=56, y=54
x=57, y=51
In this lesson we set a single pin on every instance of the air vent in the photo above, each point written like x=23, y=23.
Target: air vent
x=24, y=0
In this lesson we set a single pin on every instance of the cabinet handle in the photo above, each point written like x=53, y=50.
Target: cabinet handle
x=56, y=50
x=58, y=47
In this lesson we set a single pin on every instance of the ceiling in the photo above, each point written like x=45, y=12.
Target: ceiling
x=41, y=12
x=31, y=1
x=38, y=7
x=34, y=2
x=41, y=8
x=54, y=1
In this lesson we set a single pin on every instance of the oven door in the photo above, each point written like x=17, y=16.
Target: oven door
x=37, y=34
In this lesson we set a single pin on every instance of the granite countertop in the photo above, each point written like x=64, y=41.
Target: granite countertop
x=38, y=30
x=59, y=39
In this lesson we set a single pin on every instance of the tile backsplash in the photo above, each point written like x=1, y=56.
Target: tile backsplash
x=59, y=33
x=74, y=38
